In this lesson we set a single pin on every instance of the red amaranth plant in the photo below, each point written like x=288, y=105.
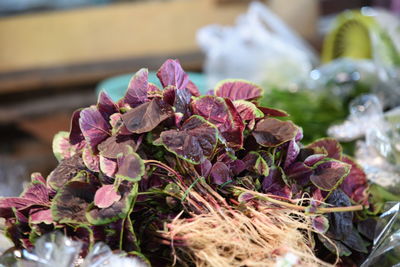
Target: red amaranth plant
x=127, y=168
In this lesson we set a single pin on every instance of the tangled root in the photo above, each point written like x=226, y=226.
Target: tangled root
x=244, y=238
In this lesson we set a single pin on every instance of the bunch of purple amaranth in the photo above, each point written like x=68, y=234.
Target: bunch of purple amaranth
x=127, y=168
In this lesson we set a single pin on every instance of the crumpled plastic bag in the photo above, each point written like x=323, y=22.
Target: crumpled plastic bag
x=347, y=78
x=260, y=48
x=386, y=248
x=55, y=249
x=379, y=154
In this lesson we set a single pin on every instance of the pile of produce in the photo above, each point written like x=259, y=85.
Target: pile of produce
x=170, y=176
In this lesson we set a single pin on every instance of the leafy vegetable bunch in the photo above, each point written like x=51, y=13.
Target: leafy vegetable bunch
x=128, y=168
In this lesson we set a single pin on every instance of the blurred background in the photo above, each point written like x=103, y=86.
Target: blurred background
x=54, y=54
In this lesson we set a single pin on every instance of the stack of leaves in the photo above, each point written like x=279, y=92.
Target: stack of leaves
x=127, y=169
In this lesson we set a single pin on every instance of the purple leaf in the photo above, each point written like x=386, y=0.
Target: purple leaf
x=106, y=196
x=247, y=110
x=237, y=166
x=41, y=216
x=108, y=166
x=90, y=160
x=193, y=89
x=169, y=95
x=6, y=205
x=356, y=242
x=245, y=197
x=300, y=173
x=171, y=73
x=75, y=133
x=320, y=223
x=238, y=89
x=117, y=125
x=330, y=145
x=118, y=210
x=222, y=114
x=71, y=202
x=182, y=100
x=273, y=112
x=220, y=173
x=115, y=145
x=204, y=168
x=130, y=167
x=329, y=175
x=341, y=223
x=355, y=185
x=255, y=163
x=94, y=127
x=136, y=93
x=234, y=133
x=292, y=152
x=147, y=116
x=313, y=159
x=274, y=183
x=271, y=132
x=194, y=142
x=106, y=106
x=65, y=171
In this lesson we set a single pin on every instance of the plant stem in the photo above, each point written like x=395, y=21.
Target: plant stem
x=301, y=208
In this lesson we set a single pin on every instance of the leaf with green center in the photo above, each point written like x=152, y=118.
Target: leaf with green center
x=71, y=201
x=147, y=116
x=106, y=196
x=136, y=94
x=271, y=132
x=247, y=110
x=118, y=210
x=62, y=148
x=94, y=127
x=194, y=142
x=329, y=174
x=91, y=160
x=330, y=145
x=130, y=167
x=237, y=90
x=222, y=113
x=115, y=145
x=320, y=223
x=65, y=171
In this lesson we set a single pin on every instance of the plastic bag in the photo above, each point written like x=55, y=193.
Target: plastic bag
x=386, y=249
x=379, y=154
x=259, y=48
x=55, y=249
